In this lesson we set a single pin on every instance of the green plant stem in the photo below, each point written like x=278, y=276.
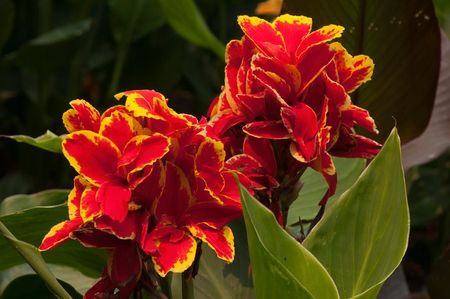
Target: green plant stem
x=29, y=252
x=123, y=49
x=165, y=285
x=187, y=286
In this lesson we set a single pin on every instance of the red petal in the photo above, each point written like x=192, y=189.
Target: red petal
x=301, y=122
x=120, y=128
x=124, y=265
x=355, y=115
x=59, y=233
x=262, y=151
x=175, y=254
x=176, y=196
x=73, y=201
x=114, y=199
x=266, y=129
x=209, y=161
x=320, y=36
x=90, y=237
x=263, y=35
x=293, y=29
x=313, y=62
x=92, y=155
x=220, y=240
x=89, y=207
x=82, y=116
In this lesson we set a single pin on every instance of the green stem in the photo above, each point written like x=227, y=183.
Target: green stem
x=187, y=286
x=165, y=285
x=123, y=49
x=35, y=260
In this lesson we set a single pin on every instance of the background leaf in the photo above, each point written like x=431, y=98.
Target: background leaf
x=20, y=202
x=281, y=267
x=306, y=205
x=186, y=20
x=7, y=11
x=35, y=288
x=31, y=226
x=436, y=137
x=218, y=280
x=363, y=236
x=48, y=141
x=35, y=260
x=150, y=18
x=403, y=39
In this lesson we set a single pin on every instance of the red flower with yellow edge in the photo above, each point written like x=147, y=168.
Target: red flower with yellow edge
x=286, y=83
x=152, y=184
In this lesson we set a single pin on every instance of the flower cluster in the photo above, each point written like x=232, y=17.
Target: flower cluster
x=152, y=183
x=286, y=93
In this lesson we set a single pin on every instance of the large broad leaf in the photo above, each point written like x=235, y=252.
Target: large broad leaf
x=219, y=280
x=436, y=138
x=187, y=21
x=281, y=267
x=402, y=37
x=150, y=17
x=364, y=234
x=35, y=260
x=20, y=202
x=31, y=226
x=306, y=205
x=48, y=141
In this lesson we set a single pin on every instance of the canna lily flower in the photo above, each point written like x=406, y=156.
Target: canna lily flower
x=288, y=84
x=152, y=184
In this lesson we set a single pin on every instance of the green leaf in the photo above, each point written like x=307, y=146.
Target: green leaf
x=281, y=267
x=78, y=281
x=218, y=280
x=403, y=39
x=35, y=260
x=7, y=12
x=363, y=235
x=51, y=49
x=20, y=202
x=150, y=18
x=187, y=21
x=306, y=206
x=35, y=288
x=32, y=225
x=48, y=141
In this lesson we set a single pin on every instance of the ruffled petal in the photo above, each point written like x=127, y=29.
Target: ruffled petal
x=59, y=233
x=114, y=198
x=176, y=250
x=92, y=155
x=220, y=240
x=120, y=127
x=82, y=116
x=269, y=129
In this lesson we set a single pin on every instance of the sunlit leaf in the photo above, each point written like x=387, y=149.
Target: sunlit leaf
x=364, y=234
x=20, y=202
x=48, y=141
x=281, y=267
